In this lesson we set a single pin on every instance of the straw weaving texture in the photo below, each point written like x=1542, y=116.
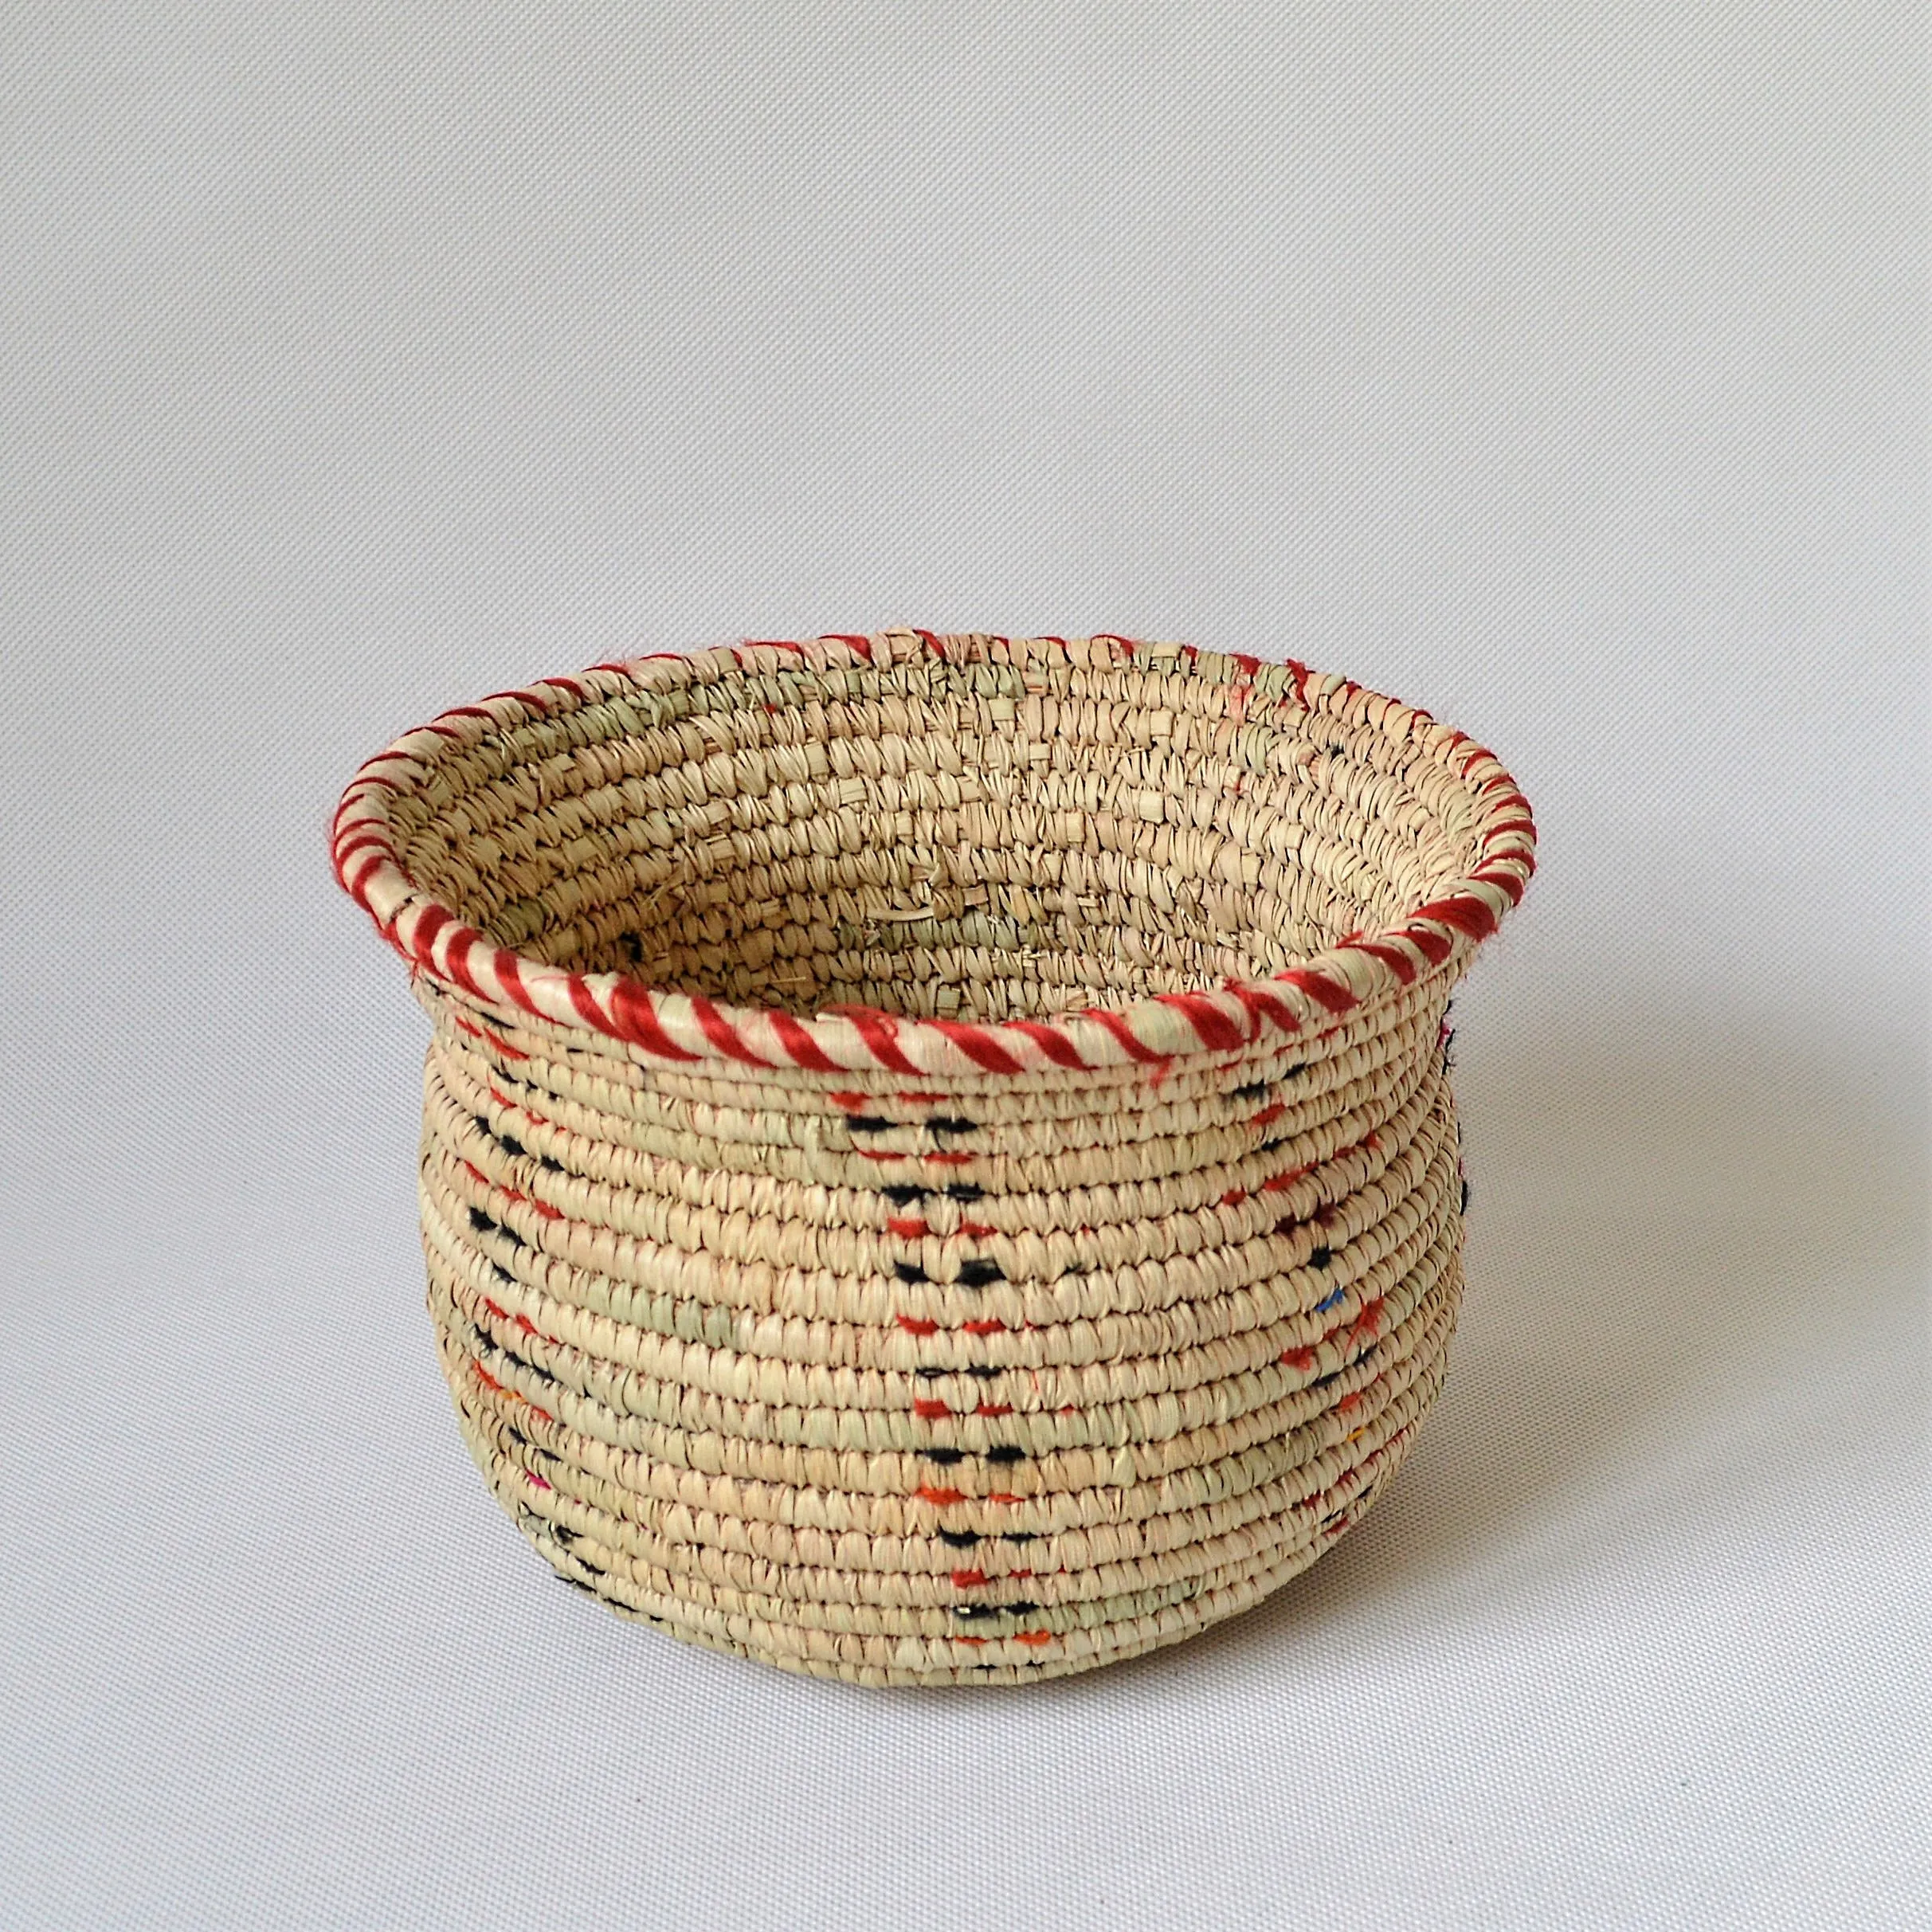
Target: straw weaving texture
x=937, y=1162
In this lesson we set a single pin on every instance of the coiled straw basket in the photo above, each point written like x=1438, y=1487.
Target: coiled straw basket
x=938, y=1161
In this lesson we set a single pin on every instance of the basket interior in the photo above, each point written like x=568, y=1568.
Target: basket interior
x=965, y=840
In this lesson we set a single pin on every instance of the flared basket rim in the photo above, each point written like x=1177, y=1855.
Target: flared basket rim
x=670, y=1027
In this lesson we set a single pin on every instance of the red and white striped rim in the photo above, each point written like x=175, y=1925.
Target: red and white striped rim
x=677, y=1027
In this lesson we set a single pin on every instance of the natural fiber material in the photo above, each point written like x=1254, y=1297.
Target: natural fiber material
x=938, y=1161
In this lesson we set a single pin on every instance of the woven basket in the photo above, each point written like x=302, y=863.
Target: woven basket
x=939, y=1162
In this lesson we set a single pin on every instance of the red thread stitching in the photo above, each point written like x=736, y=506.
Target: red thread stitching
x=633, y=1016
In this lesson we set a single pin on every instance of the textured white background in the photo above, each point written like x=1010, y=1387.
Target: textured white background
x=1562, y=369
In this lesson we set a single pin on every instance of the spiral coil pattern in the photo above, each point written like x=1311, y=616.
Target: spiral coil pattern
x=938, y=1161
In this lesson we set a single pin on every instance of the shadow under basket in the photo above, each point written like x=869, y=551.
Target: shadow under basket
x=937, y=1162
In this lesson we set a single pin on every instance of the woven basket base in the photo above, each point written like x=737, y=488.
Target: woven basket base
x=605, y=1537
x=848, y=1659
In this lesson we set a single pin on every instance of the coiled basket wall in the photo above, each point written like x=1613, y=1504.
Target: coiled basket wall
x=937, y=1157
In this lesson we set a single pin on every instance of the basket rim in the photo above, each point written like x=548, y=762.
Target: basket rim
x=670, y=1028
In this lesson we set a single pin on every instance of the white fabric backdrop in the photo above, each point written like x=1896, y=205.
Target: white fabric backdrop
x=1562, y=370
